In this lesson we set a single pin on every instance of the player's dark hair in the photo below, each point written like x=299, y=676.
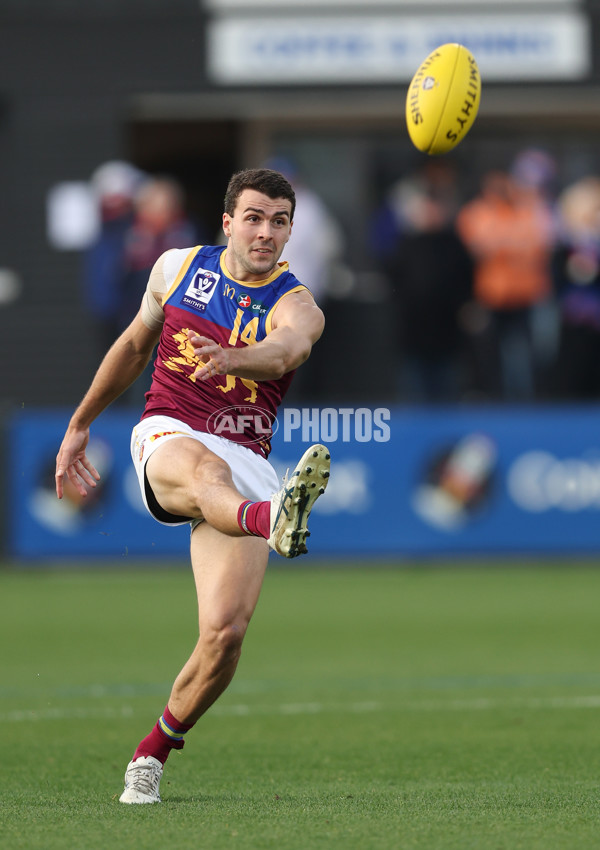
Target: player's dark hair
x=270, y=183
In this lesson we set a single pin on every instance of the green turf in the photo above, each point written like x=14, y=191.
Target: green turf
x=417, y=707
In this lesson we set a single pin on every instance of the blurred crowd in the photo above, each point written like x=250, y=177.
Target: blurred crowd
x=140, y=216
x=494, y=298
x=498, y=297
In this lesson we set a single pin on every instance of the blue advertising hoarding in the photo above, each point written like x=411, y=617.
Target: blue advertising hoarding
x=404, y=482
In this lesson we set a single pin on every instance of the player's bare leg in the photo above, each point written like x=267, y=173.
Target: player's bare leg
x=229, y=565
x=228, y=572
x=190, y=480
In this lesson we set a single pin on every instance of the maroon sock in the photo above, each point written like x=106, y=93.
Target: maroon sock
x=167, y=735
x=255, y=518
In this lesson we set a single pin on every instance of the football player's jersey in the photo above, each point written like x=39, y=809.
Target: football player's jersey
x=205, y=299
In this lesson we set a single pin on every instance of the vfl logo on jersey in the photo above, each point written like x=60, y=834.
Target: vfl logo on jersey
x=201, y=289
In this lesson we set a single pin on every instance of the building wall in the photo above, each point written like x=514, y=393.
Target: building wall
x=69, y=71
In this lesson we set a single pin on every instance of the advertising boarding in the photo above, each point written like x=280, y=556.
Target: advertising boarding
x=404, y=483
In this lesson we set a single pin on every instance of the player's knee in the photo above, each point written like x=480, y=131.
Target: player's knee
x=207, y=476
x=227, y=644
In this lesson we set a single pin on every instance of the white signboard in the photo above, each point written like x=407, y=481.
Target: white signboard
x=385, y=48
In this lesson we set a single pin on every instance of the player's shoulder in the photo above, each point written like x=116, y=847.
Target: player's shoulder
x=299, y=294
x=284, y=281
x=173, y=260
x=292, y=304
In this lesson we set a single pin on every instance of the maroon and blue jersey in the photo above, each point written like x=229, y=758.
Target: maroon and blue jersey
x=206, y=300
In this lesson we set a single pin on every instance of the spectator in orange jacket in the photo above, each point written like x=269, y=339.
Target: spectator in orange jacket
x=509, y=231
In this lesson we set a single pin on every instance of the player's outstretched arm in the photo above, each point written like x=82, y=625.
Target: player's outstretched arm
x=297, y=324
x=124, y=362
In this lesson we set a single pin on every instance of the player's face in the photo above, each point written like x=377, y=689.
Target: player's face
x=257, y=233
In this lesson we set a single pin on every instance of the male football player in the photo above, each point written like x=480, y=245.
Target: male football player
x=232, y=324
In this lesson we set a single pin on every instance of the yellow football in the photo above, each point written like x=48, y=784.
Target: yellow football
x=443, y=99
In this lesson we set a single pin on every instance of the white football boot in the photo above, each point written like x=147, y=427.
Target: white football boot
x=291, y=505
x=142, y=780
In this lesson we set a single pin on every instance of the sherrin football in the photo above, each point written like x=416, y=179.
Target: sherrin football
x=443, y=99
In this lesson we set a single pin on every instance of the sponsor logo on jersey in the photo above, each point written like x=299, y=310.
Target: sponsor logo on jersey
x=166, y=434
x=201, y=289
x=245, y=301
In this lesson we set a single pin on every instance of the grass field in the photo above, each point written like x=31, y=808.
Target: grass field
x=412, y=707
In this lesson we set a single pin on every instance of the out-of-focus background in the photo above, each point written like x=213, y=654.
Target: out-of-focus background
x=459, y=377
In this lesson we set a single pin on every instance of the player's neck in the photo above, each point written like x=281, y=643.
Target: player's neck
x=237, y=271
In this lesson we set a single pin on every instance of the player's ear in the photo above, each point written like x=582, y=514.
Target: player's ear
x=227, y=224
